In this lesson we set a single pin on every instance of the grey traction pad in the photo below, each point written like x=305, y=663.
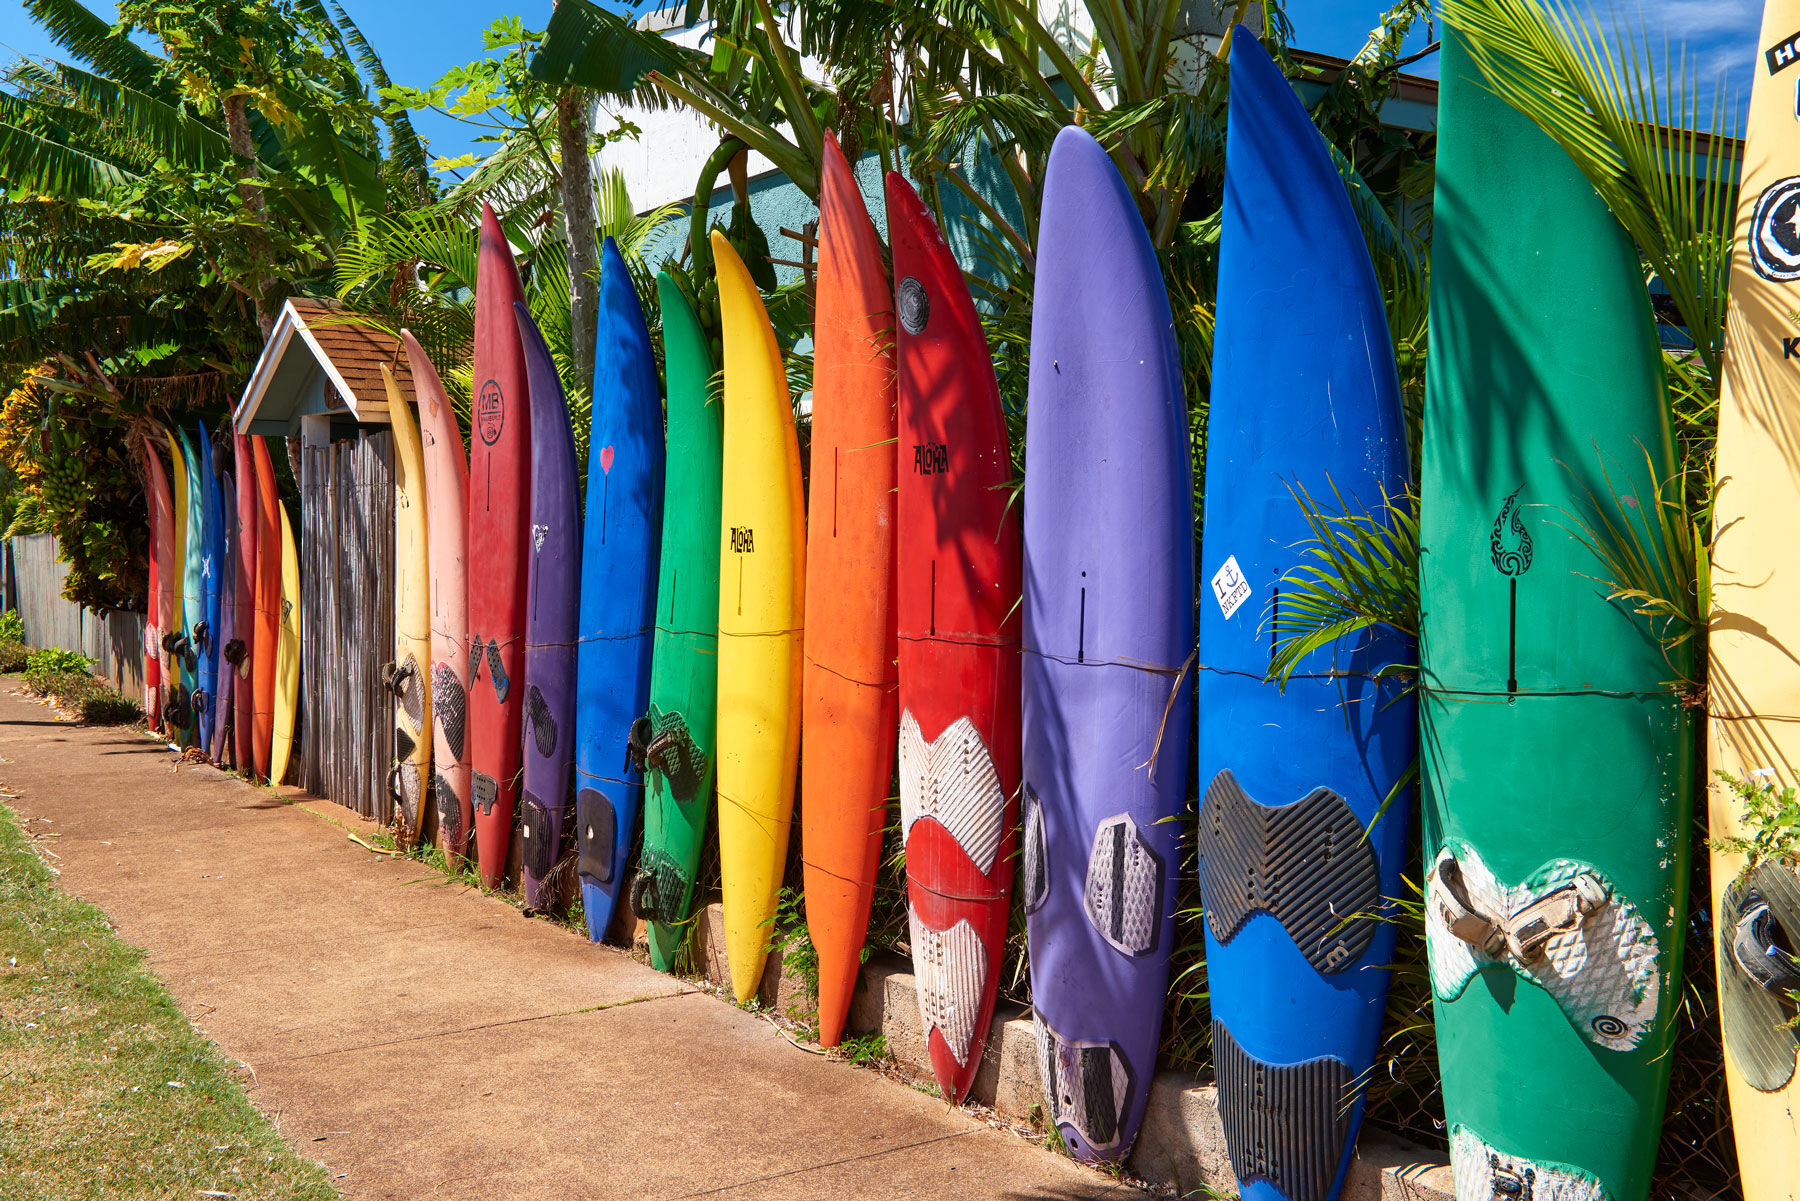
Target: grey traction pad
x=1087, y=1086
x=539, y=721
x=449, y=808
x=448, y=703
x=412, y=693
x=595, y=825
x=1123, y=896
x=485, y=790
x=1286, y=1125
x=1034, y=879
x=1757, y=1036
x=1308, y=865
x=534, y=834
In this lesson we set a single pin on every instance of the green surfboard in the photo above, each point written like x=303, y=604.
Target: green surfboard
x=1557, y=760
x=678, y=775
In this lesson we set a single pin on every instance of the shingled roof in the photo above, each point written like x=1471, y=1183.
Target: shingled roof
x=347, y=349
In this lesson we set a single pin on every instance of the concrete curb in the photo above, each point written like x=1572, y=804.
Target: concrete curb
x=1182, y=1143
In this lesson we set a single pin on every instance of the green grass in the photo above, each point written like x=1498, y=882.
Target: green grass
x=106, y=1091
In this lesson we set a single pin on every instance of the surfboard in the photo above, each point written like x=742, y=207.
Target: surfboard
x=193, y=592
x=550, y=625
x=762, y=577
x=849, y=684
x=446, y=492
x=268, y=606
x=408, y=684
x=684, y=663
x=1107, y=633
x=287, y=654
x=618, y=574
x=211, y=541
x=1298, y=936
x=224, y=717
x=177, y=707
x=160, y=609
x=1755, y=682
x=241, y=652
x=1557, y=761
x=499, y=514
x=956, y=596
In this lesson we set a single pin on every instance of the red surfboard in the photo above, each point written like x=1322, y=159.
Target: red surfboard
x=499, y=520
x=242, y=654
x=957, y=594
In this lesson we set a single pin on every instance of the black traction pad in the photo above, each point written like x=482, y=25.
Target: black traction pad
x=1087, y=1085
x=497, y=671
x=663, y=892
x=1286, y=1125
x=1034, y=880
x=449, y=810
x=412, y=693
x=1757, y=1036
x=403, y=744
x=595, y=824
x=1308, y=865
x=539, y=721
x=449, y=704
x=485, y=790
x=536, y=853
x=672, y=751
x=1123, y=896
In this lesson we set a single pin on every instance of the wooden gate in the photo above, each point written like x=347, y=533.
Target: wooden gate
x=347, y=607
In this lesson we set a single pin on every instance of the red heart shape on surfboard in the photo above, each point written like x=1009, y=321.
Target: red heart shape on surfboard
x=606, y=456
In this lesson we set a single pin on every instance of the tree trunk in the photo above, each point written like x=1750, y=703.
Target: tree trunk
x=237, y=129
x=577, y=185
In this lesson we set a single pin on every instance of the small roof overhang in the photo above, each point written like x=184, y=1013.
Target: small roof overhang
x=321, y=360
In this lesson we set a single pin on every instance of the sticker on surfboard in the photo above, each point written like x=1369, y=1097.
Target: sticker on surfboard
x=1230, y=588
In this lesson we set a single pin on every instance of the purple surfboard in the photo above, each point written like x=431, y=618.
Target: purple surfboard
x=1108, y=628
x=554, y=554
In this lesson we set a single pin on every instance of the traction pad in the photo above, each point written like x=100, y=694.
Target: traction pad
x=485, y=790
x=449, y=812
x=1034, y=880
x=659, y=891
x=449, y=704
x=1123, y=898
x=534, y=837
x=596, y=826
x=1286, y=1124
x=950, y=969
x=670, y=749
x=1087, y=1086
x=497, y=672
x=539, y=721
x=1308, y=865
x=1757, y=1036
x=1484, y=1174
x=1604, y=975
x=410, y=692
x=952, y=780
x=409, y=796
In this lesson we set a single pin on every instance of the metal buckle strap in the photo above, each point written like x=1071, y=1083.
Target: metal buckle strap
x=1449, y=895
x=1562, y=911
x=1756, y=946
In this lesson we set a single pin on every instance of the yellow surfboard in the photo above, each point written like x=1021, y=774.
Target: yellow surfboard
x=411, y=681
x=1755, y=627
x=287, y=655
x=172, y=673
x=762, y=573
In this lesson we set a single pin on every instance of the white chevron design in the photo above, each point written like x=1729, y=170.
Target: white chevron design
x=953, y=781
x=950, y=968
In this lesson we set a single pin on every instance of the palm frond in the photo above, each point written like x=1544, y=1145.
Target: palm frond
x=94, y=41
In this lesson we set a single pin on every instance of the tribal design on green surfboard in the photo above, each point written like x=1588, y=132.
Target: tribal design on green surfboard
x=1485, y=1174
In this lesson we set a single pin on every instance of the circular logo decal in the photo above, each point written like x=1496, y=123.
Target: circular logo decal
x=490, y=412
x=915, y=306
x=1608, y=1026
x=1775, y=231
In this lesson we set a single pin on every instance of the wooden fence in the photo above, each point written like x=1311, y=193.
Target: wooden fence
x=114, y=640
x=347, y=615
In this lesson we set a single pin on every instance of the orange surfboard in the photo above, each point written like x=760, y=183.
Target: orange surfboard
x=268, y=608
x=849, y=683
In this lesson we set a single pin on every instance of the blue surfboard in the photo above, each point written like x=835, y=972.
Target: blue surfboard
x=618, y=589
x=212, y=579
x=1304, y=395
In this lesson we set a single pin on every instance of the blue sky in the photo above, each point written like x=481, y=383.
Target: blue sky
x=420, y=39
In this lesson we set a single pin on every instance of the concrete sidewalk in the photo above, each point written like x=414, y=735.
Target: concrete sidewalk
x=422, y=1040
